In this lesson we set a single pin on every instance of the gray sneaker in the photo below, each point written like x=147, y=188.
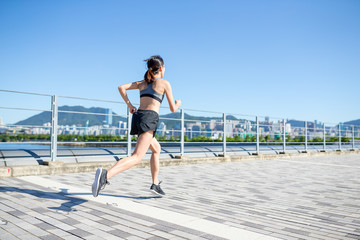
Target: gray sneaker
x=100, y=181
x=156, y=189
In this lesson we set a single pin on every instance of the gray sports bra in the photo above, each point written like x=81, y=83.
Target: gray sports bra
x=150, y=92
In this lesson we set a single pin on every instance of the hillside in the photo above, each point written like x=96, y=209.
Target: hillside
x=71, y=118
x=353, y=122
x=80, y=119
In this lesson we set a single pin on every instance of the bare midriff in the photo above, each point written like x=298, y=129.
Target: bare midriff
x=148, y=103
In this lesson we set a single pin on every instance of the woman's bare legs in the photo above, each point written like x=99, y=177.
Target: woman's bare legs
x=154, y=161
x=142, y=145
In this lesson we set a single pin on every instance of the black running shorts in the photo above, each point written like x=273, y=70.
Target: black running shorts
x=143, y=121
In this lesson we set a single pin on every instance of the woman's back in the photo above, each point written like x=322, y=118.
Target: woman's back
x=152, y=94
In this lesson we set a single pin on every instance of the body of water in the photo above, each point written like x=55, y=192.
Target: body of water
x=30, y=146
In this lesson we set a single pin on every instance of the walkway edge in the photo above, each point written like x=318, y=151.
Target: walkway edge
x=51, y=169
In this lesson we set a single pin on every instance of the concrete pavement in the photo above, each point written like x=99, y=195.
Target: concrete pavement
x=314, y=197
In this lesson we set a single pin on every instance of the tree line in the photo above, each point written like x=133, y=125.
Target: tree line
x=111, y=138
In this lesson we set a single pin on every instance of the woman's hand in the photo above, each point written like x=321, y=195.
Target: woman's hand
x=178, y=103
x=132, y=109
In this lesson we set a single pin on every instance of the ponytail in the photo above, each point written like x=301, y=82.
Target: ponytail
x=154, y=64
x=149, y=76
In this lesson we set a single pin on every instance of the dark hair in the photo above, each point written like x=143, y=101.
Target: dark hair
x=153, y=63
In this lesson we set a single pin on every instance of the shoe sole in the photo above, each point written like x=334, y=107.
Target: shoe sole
x=95, y=186
x=156, y=193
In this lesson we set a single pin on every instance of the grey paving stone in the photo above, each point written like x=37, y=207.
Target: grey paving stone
x=119, y=233
x=72, y=237
x=157, y=238
x=108, y=223
x=134, y=238
x=212, y=237
x=287, y=229
x=16, y=213
x=213, y=219
x=65, y=227
x=7, y=236
x=70, y=221
x=45, y=226
x=50, y=237
x=29, y=237
x=58, y=232
x=253, y=225
x=162, y=228
x=353, y=236
x=79, y=233
x=16, y=231
x=37, y=231
x=162, y=234
x=185, y=234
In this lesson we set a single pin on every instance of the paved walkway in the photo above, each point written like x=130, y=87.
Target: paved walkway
x=291, y=198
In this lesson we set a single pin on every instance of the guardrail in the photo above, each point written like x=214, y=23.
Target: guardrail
x=222, y=128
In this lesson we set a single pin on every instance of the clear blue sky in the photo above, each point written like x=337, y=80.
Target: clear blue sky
x=294, y=59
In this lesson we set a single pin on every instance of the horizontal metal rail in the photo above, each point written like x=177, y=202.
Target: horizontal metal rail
x=29, y=93
x=26, y=109
x=172, y=119
x=91, y=99
x=276, y=133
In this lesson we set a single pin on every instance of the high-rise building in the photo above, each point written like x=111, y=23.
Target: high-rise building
x=229, y=129
x=161, y=129
x=122, y=127
x=196, y=130
x=288, y=127
x=188, y=132
x=108, y=116
x=1, y=122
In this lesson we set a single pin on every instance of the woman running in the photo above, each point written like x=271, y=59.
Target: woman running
x=144, y=124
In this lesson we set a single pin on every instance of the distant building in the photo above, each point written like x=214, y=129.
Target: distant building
x=122, y=128
x=188, y=132
x=208, y=132
x=161, y=129
x=1, y=122
x=229, y=128
x=176, y=131
x=196, y=130
x=288, y=127
x=108, y=116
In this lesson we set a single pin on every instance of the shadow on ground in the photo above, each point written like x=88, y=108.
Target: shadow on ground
x=70, y=201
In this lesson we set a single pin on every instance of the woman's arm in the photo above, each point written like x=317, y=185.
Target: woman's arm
x=173, y=106
x=123, y=88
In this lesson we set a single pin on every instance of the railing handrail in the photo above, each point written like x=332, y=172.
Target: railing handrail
x=341, y=130
x=164, y=107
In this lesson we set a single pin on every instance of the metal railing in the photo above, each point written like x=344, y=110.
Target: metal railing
x=220, y=128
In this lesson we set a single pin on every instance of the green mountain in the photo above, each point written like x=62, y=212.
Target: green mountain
x=67, y=118
x=70, y=118
x=353, y=122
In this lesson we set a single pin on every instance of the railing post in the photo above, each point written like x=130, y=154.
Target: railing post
x=339, y=137
x=284, y=136
x=324, y=135
x=54, y=127
x=306, y=137
x=224, y=134
x=182, y=136
x=353, y=137
x=257, y=136
x=128, y=132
